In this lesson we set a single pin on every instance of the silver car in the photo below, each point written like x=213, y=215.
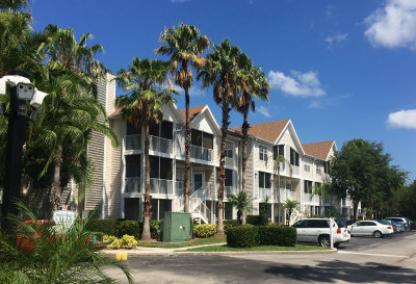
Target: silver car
x=402, y=220
x=371, y=228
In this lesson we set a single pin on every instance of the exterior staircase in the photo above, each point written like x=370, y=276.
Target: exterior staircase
x=197, y=205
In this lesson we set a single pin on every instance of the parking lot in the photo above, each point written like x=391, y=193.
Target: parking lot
x=363, y=260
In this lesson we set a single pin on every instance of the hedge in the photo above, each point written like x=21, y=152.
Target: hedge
x=242, y=236
x=257, y=220
x=230, y=224
x=105, y=226
x=128, y=227
x=204, y=230
x=249, y=236
x=274, y=235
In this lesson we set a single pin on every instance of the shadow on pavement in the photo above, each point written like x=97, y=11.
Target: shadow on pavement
x=335, y=271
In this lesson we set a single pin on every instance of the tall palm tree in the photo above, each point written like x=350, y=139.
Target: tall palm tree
x=184, y=45
x=258, y=89
x=142, y=106
x=224, y=72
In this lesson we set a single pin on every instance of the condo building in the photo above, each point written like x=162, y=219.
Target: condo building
x=279, y=167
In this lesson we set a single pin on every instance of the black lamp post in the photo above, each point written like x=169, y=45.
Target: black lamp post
x=21, y=92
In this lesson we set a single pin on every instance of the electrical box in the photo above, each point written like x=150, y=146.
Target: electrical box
x=177, y=227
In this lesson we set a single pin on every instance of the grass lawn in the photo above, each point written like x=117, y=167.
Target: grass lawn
x=225, y=248
x=193, y=242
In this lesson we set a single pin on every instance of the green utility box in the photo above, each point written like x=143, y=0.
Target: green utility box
x=176, y=227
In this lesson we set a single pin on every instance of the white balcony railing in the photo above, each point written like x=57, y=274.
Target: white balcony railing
x=162, y=186
x=161, y=145
x=295, y=170
x=133, y=184
x=282, y=195
x=230, y=190
x=201, y=153
x=264, y=194
x=134, y=142
x=309, y=198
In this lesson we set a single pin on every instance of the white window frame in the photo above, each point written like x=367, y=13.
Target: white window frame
x=263, y=156
x=228, y=150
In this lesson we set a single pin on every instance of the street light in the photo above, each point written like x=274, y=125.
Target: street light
x=21, y=91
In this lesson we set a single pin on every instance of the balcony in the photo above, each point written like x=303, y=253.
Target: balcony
x=230, y=190
x=282, y=195
x=161, y=145
x=201, y=153
x=264, y=194
x=134, y=142
x=133, y=184
x=309, y=198
x=162, y=186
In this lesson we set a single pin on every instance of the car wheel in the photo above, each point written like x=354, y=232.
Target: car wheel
x=377, y=234
x=324, y=242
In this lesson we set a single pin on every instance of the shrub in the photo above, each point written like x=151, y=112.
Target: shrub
x=108, y=239
x=128, y=227
x=155, y=230
x=230, y=224
x=242, y=236
x=257, y=220
x=129, y=242
x=204, y=230
x=276, y=235
x=105, y=226
x=115, y=244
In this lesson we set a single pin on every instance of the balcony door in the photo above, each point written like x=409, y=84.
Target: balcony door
x=198, y=180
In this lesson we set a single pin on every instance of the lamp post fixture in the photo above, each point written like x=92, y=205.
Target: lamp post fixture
x=21, y=91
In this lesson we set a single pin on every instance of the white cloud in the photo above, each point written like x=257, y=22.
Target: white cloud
x=393, y=25
x=263, y=111
x=296, y=83
x=402, y=119
x=336, y=39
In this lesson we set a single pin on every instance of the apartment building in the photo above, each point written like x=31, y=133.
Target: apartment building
x=119, y=171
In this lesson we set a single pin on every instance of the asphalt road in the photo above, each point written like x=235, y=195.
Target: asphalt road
x=363, y=260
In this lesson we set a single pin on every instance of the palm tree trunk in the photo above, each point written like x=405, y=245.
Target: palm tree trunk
x=187, y=178
x=55, y=197
x=244, y=129
x=220, y=205
x=355, y=209
x=146, y=236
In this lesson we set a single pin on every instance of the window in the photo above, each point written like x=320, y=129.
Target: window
x=317, y=224
x=202, y=139
x=133, y=166
x=294, y=157
x=265, y=180
x=165, y=129
x=307, y=188
x=228, y=177
x=326, y=167
x=278, y=150
x=307, y=168
x=131, y=129
x=318, y=169
x=229, y=150
x=207, y=140
x=262, y=152
x=318, y=187
x=160, y=168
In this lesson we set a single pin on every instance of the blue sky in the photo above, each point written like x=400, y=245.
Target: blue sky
x=338, y=69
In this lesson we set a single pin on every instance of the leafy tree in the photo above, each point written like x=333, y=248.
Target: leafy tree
x=242, y=203
x=184, y=45
x=258, y=88
x=404, y=201
x=290, y=205
x=144, y=81
x=362, y=170
x=224, y=71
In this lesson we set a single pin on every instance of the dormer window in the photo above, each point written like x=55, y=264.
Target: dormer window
x=294, y=157
x=263, y=152
x=278, y=150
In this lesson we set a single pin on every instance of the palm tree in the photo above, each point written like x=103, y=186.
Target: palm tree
x=242, y=203
x=144, y=81
x=224, y=72
x=290, y=205
x=184, y=45
x=67, y=116
x=258, y=89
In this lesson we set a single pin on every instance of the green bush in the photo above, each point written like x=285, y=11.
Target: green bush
x=230, y=224
x=204, y=230
x=105, y=226
x=276, y=235
x=242, y=236
x=155, y=229
x=257, y=220
x=128, y=227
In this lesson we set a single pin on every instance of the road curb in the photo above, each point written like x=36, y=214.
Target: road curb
x=255, y=252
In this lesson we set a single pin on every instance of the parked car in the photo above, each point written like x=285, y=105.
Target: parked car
x=370, y=228
x=402, y=220
x=317, y=230
x=389, y=222
x=412, y=225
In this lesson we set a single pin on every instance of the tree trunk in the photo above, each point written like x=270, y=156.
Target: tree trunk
x=240, y=216
x=220, y=205
x=355, y=209
x=244, y=130
x=187, y=178
x=55, y=197
x=146, y=236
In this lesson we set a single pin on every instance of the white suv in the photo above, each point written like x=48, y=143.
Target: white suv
x=317, y=230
